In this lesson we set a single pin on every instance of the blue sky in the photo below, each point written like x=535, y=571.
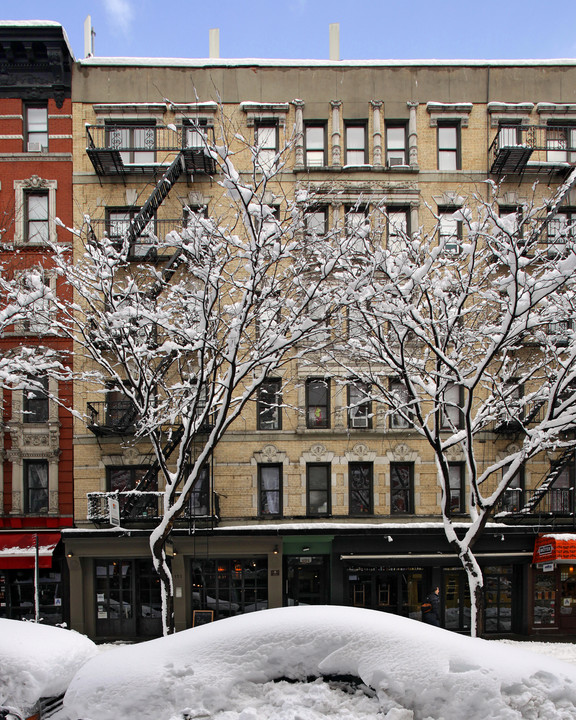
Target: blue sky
x=369, y=29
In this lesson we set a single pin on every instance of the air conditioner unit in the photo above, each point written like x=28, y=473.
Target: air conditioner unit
x=360, y=421
x=35, y=147
x=395, y=161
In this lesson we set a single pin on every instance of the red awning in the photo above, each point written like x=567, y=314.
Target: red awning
x=18, y=550
x=555, y=547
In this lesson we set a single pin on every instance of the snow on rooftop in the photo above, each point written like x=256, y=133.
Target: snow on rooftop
x=289, y=62
x=225, y=671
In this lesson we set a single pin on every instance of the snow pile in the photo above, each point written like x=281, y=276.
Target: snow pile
x=410, y=670
x=38, y=660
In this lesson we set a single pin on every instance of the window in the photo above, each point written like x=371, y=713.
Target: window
x=266, y=141
x=136, y=142
x=317, y=403
x=36, y=229
x=359, y=405
x=452, y=417
x=402, y=412
x=268, y=406
x=510, y=134
x=512, y=220
x=355, y=220
x=450, y=230
x=513, y=497
x=560, y=144
x=270, y=490
x=562, y=228
x=397, y=229
x=315, y=144
x=318, y=488
x=401, y=488
x=456, y=478
x=36, y=128
x=38, y=319
x=118, y=221
x=316, y=221
x=448, y=147
x=360, y=487
x=195, y=134
x=356, y=143
x=124, y=478
x=396, y=144
x=200, y=496
x=121, y=413
x=561, y=493
x=36, y=404
x=36, y=486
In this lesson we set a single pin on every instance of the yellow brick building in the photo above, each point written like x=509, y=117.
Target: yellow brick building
x=413, y=138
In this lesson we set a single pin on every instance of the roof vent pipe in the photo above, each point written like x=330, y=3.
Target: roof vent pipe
x=334, y=41
x=214, y=42
x=89, y=35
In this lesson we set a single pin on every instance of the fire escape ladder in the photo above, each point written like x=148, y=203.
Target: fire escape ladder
x=157, y=197
x=557, y=466
x=135, y=502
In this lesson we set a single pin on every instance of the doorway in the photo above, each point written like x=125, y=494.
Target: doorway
x=307, y=580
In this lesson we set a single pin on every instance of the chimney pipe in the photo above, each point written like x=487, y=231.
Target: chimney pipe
x=334, y=41
x=89, y=34
x=214, y=42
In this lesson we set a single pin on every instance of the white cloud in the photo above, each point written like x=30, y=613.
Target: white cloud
x=120, y=13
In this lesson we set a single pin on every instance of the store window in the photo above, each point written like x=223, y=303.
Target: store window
x=544, y=599
x=230, y=586
x=498, y=599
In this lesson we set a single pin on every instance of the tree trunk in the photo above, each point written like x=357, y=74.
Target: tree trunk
x=476, y=587
x=158, y=547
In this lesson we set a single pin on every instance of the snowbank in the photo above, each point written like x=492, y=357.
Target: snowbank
x=417, y=671
x=38, y=660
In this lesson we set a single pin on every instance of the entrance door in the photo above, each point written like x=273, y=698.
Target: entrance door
x=307, y=580
x=567, y=598
x=393, y=590
x=456, y=595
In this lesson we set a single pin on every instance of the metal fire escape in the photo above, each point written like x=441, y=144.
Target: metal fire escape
x=189, y=160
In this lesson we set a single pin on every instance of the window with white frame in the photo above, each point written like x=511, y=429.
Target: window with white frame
x=402, y=410
x=38, y=318
x=449, y=229
x=136, y=141
x=396, y=144
x=356, y=146
x=451, y=415
x=269, y=405
x=561, y=228
x=397, y=229
x=561, y=143
x=315, y=144
x=316, y=221
x=448, y=146
x=36, y=128
x=195, y=133
x=359, y=405
x=266, y=141
x=35, y=202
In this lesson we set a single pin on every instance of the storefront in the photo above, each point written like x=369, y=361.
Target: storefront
x=32, y=577
x=553, y=606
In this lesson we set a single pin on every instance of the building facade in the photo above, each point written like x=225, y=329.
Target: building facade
x=36, y=473
x=315, y=504
x=304, y=501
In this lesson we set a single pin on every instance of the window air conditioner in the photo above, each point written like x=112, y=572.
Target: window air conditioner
x=34, y=147
x=395, y=161
x=360, y=421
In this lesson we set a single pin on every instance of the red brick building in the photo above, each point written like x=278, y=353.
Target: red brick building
x=36, y=472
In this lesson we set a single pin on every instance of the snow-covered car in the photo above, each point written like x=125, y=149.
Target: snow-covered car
x=320, y=661
x=36, y=664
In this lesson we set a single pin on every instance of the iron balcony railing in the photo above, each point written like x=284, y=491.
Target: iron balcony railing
x=556, y=502
x=538, y=148
x=112, y=417
x=131, y=148
x=146, y=245
x=137, y=506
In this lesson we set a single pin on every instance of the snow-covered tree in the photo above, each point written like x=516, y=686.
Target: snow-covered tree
x=190, y=340
x=464, y=330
